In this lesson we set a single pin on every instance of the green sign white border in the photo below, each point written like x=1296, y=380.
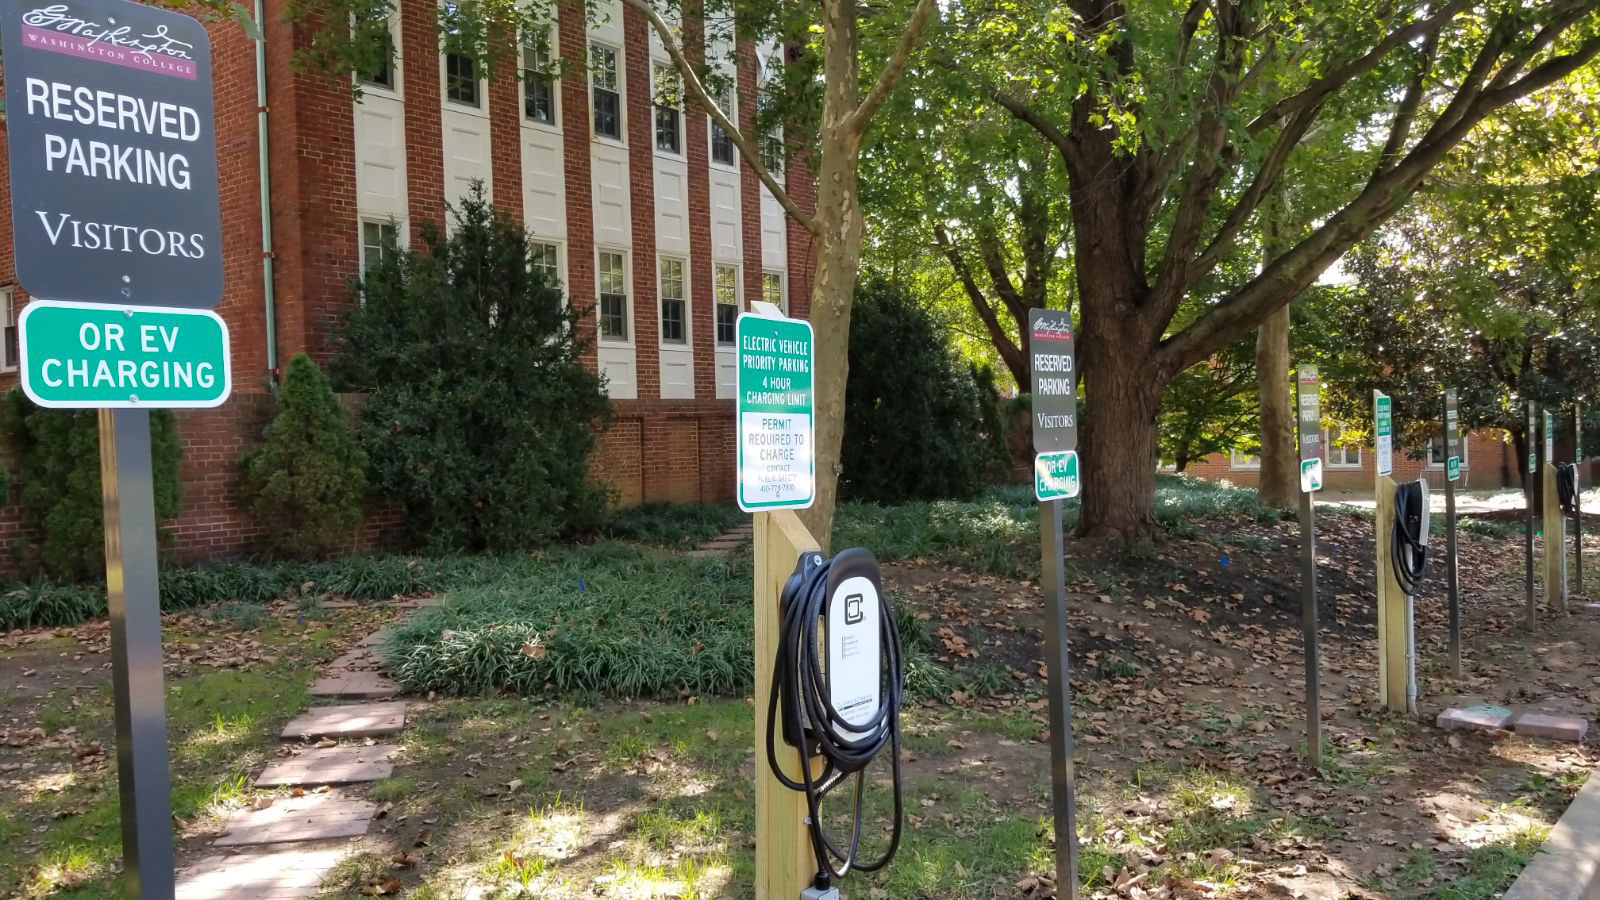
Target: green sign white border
x=1310, y=475
x=39, y=303
x=1039, y=460
x=738, y=417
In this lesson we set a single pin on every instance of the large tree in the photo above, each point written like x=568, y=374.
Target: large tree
x=1174, y=123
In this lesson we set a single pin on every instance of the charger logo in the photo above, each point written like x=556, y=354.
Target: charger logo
x=852, y=610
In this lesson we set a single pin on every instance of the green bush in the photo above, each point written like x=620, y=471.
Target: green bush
x=917, y=425
x=479, y=416
x=673, y=524
x=45, y=604
x=58, y=466
x=307, y=479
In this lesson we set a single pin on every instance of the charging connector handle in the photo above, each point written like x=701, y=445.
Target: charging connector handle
x=800, y=687
x=1408, y=550
x=1567, y=487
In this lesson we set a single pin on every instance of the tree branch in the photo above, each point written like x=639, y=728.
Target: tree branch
x=1014, y=356
x=1406, y=113
x=861, y=117
x=1048, y=130
x=751, y=152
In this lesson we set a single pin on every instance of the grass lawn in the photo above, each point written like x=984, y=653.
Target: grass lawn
x=582, y=726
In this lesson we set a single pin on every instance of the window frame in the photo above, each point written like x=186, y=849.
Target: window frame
x=1443, y=452
x=657, y=68
x=601, y=294
x=556, y=259
x=478, y=85
x=394, y=87
x=1328, y=437
x=730, y=108
x=618, y=87
x=717, y=304
x=380, y=224
x=1249, y=462
x=11, y=353
x=685, y=318
x=544, y=69
x=783, y=288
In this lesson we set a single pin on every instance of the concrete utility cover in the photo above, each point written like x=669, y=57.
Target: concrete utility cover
x=1480, y=718
x=331, y=765
x=314, y=817
x=353, y=720
x=291, y=874
x=362, y=685
x=1562, y=728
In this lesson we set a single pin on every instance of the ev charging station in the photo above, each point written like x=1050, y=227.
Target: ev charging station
x=1402, y=538
x=1309, y=424
x=828, y=660
x=1555, y=524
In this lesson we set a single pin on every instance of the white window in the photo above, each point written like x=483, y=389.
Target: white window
x=546, y=258
x=373, y=28
x=725, y=290
x=538, y=79
x=667, y=101
x=1436, y=452
x=606, y=90
x=461, y=79
x=674, y=318
x=613, y=296
x=772, y=290
x=773, y=151
x=1241, y=460
x=1342, y=452
x=8, y=315
x=721, y=144
x=379, y=241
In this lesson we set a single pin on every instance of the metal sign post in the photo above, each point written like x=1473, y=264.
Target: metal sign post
x=1531, y=470
x=1555, y=524
x=1452, y=471
x=1055, y=439
x=1577, y=495
x=1310, y=427
x=114, y=210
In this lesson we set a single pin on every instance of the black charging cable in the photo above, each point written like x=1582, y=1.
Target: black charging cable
x=1567, y=487
x=800, y=688
x=1407, y=551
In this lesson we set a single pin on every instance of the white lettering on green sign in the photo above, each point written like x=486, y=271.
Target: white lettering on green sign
x=774, y=414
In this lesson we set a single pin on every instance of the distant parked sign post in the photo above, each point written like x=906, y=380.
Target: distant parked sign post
x=1452, y=473
x=1555, y=523
x=1055, y=478
x=113, y=177
x=1309, y=419
x=1528, y=489
x=1577, y=494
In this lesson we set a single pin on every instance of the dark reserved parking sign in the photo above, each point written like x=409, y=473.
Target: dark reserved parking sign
x=113, y=153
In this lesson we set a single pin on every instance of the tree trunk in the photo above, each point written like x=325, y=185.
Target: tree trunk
x=1280, y=471
x=1118, y=439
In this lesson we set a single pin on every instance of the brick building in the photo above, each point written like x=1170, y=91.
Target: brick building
x=642, y=208
x=1489, y=460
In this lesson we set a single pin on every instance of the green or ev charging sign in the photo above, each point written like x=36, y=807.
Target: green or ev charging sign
x=1533, y=435
x=1383, y=422
x=776, y=420
x=1549, y=437
x=1052, y=362
x=92, y=356
x=1309, y=423
x=1055, y=475
x=1452, y=437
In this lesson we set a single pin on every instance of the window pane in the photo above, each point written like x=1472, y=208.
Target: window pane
x=603, y=66
x=721, y=144
x=672, y=278
x=461, y=78
x=672, y=321
x=772, y=288
x=374, y=33
x=667, y=129
x=543, y=258
x=611, y=275
x=726, y=285
x=727, y=315
x=607, y=113
x=614, y=316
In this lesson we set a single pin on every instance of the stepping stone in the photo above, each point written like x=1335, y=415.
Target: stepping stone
x=314, y=817
x=377, y=637
x=291, y=874
x=350, y=721
x=361, y=685
x=330, y=765
x=359, y=658
x=1476, y=718
x=1562, y=728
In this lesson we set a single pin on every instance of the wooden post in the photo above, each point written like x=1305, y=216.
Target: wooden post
x=1555, y=544
x=785, y=863
x=1394, y=615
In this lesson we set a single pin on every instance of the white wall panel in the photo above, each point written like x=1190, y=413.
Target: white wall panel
x=380, y=156
x=466, y=153
x=609, y=173
x=672, y=207
x=725, y=230
x=544, y=183
x=617, y=365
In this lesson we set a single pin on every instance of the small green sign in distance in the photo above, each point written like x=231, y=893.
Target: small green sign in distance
x=95, y=356
x=1311, y=475
x=1452, y=468
x=1055, y=475
x=1383, y=414
x=774, y=413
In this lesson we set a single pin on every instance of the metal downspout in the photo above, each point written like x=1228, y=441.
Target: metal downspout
x=267, y=255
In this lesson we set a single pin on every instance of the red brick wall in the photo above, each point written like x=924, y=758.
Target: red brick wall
x=1490, y=464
